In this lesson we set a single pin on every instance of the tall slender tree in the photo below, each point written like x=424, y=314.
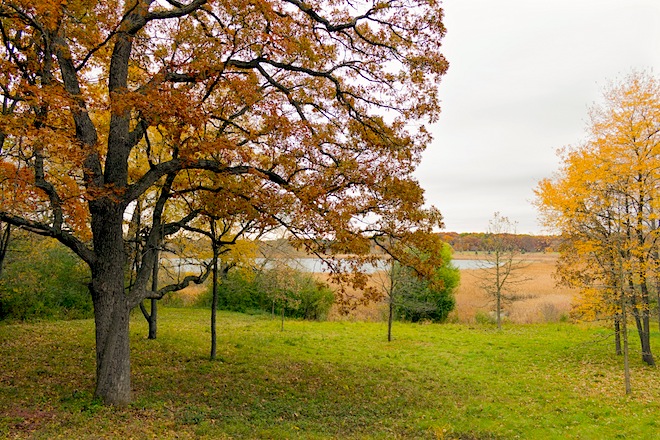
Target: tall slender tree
x=604, y=201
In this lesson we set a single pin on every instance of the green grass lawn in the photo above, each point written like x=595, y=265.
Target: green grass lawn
x=328, y=380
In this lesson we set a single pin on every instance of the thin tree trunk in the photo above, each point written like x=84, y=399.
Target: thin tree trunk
x=214, y=301
x=4, y=244
x=617, y=335
x=642, y=322
x=498, y=286
x=394, y=274
x=657, y=288
x=647, y=354
x=390, y=318
x=153, y=316
x=626, y=362
x=499, y=310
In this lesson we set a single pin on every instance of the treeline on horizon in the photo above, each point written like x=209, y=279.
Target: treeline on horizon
x=460, y=242
x=478, y=241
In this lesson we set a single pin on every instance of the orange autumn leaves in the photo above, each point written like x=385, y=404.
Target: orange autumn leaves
x=235, y=97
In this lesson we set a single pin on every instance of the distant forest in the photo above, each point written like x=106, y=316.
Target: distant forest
x=460, y=242
x=478, y=241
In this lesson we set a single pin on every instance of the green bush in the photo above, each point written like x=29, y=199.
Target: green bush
x=484, y=318
x=43, y=280
x=237, y=292
x=313, y=299
x=419, y=300
x=269, y=290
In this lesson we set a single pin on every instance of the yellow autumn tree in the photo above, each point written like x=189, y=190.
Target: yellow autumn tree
x=604, y=202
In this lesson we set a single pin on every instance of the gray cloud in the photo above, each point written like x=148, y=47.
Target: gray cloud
x=522, y=77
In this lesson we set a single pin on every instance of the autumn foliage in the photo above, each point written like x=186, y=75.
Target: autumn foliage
x=305, y=115
x=604, y=201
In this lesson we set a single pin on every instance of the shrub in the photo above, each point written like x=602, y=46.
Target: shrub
x=237, y=292
x=43, y=279
x=269, y=290
x=313, y=299
x=419, y=300
x=484, y=318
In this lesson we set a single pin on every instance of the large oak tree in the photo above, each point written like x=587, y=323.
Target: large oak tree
x=310, y=113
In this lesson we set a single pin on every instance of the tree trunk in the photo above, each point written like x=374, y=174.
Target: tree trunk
x=642, y=322
x=499, y=311
x=153, y=320
x=390, y=318
x=498, y=287
x=214, y=302
x=639, y=304
x=647, y=354
x=657, y=288
x=617, y=335
x=153, y=316
x=113, y=367
x=4, y=244
x=644, y=337
x=626, y=363
x=111, y=305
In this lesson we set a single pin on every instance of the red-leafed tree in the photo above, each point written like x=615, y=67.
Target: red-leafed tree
x=310, y=113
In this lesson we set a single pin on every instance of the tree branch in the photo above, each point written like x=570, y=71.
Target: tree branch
x=70, y=241
x=176, y=165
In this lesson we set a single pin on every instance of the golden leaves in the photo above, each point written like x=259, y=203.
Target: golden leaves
x=604, y=200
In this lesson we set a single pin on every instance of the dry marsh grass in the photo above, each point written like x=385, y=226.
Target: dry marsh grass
x=544, y=300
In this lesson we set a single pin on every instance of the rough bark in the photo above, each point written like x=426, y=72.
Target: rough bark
x=111, y=305
x=113, y=367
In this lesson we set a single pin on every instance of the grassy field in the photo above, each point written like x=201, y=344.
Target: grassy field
x=330, y=380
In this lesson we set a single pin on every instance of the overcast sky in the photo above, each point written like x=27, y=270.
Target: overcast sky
x=522, y=76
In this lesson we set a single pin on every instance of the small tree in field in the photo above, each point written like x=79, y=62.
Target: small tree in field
x=420, y=288
x=501, y=271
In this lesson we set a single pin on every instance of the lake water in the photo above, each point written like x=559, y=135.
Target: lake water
x=317, y=265
x=470, y=264
x=313, y=265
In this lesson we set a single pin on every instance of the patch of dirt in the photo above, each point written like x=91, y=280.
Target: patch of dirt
x=25, y=420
